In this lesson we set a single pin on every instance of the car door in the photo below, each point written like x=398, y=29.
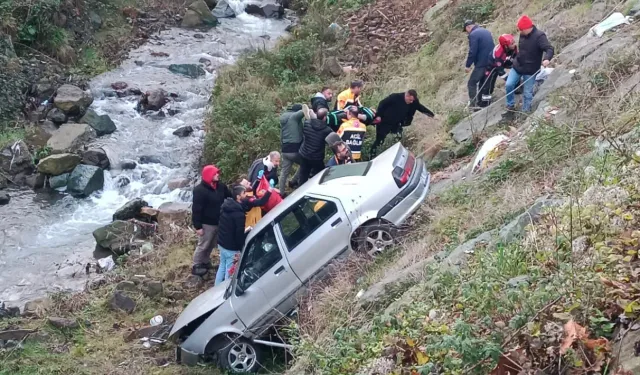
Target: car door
x=314, y=230
x=264, y=278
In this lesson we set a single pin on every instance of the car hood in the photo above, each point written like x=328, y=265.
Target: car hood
x=202, y=304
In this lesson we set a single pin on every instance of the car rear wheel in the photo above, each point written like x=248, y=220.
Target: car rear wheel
x=375, y=239
x=240, y=355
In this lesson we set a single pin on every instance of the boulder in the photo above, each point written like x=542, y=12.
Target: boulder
x=223, y=10
x=128, y=164
x=39, y=135
x=331, y=65
x=63, y=323
x=16, y=159
x=265, y=10
x=102, y=124
x=149, y=213
x=37, y=308
x=152, y=100
x=152, y=288
x=120, y=236
x=72, y=100
x=119, y=85
x=178, y=183
x=57, y=182
x=58, y=164
x=119, y=301
x=70, y=138
x=122, y=181
x=5, y=198
x=36, y=181
x=56, y=116
x=130, y=209
x=84, y=180
x=96, y=157
x=188, y=70
x=183, y=131
x=174, y=213
x=198, y=14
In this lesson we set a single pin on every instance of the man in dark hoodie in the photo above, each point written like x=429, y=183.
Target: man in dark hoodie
x=208, y=196
x=312, y=150
x=232, y=232
x=534, y=49
x=480, y=47
x=322, y=99
x=395, y=112
x=291, y=122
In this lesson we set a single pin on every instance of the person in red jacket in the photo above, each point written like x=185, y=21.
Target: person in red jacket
x=501, y=58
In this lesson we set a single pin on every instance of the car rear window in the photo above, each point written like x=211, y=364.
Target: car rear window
x=345, y=170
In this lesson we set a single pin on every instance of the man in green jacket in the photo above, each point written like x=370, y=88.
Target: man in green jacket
x=291, y=122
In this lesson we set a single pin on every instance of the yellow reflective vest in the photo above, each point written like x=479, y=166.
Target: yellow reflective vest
x=352, y=133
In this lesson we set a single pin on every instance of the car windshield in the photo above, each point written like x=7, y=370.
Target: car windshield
x=345, y=170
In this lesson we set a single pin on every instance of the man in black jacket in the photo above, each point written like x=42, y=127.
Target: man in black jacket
x=312, y=149
x=533, y=45
x=208, y=196
x=232, y=232
x=269, y=165
x=394, y=112
x=322, y=99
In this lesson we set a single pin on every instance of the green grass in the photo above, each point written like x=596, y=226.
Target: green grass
x=10, y=135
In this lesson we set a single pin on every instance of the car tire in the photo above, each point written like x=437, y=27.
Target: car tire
x=375, y=239
x=239, y=355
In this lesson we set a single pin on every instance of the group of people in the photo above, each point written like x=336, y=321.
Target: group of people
x=489, y=63
x=223, y=216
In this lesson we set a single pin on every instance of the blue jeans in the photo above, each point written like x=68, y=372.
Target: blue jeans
x=512, y=83
x=226, y=262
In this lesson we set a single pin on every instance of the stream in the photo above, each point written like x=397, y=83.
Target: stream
x=46, y=238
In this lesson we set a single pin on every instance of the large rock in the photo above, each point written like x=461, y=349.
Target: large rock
x=102, y=124
x=16, y=159
x=198, y=14
x=188, y=70
x=37, y=308
x=57, y=116
x=36, y=181
x=84, y=180
x=39, y=135
x=478, y=122
x=174, y=213
x=57, y=182
x=331, y=65
x=119, y=236
x=96, y=157
x=435, y=11
x=178, y=183
x=265, y=10
x=70, y=138
x=153, y=100
x=120, y=301
x=72, y=100
x=58, y=164
x=130, y=210
x=63, y=323
x=128, y=164
x=627, y=358
x=5, y=198
x=183, y=131
x=223, y=10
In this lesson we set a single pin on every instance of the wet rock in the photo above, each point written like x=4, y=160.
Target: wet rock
x=70, y=138
x=5, y=198
x=63, y=323
x=150, y=159
x=58, y=164
x=223, y=10
x=152, y=100
x=174, y=213
x=56, y=116
x=84, y=180
x=198, y=14
x=193, y=282
x=39, y=135
x=265, y=10
x=178, y=183
x=16, y=159
x=198, y=36
x=8, y=311
x=122, y=181
x=128, y=164
x=102, y=124
x=183, y=131
x=119, y=85
x=96, y=157
x=3, y=182
x=72, y=100
x=130, y=209
x=331, y=65
x=129, y=286
x=120, y=236
x=120, y=301
x=36, y=308
x=188, y=70
x=149, y=213
x=205, y=61
x=36, y=181
x=442, y=159
x=152, y=288
x=57, y=182
x=139, y=63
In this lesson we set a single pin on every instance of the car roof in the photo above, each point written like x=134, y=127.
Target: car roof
x=342, y=187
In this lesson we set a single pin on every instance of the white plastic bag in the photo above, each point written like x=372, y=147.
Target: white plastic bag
x=544, y=74
x=616, y=19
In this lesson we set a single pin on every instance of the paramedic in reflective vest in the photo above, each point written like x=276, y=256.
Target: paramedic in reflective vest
x=501, y=58
x=350, y=96
x=366, y=115
x=352, y=132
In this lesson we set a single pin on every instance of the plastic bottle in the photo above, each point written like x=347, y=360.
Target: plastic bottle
x=156, y=320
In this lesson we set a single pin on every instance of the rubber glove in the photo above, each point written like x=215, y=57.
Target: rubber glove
x=272, y=183
x=260, y=174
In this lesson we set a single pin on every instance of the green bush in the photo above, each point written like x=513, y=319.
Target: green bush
x=478, y=11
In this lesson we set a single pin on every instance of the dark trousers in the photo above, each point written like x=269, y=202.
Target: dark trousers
x=308, y=168
x=476, y=79
x=382, y=131
x=488, y=86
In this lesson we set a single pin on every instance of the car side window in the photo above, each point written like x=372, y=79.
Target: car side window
x=260, y=255
x=303, y=218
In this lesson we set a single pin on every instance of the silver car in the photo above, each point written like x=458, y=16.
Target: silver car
x=354, y=206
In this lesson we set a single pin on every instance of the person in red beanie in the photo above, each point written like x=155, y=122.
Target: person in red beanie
x=500, y=59
x=533, y=49
x=208, y=196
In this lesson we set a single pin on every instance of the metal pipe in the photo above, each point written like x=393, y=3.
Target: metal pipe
x=274, y=344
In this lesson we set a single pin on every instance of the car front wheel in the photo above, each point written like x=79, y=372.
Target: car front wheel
x=240, y=355
x=375, y=239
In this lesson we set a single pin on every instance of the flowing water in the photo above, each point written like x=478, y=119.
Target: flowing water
x=46, y=238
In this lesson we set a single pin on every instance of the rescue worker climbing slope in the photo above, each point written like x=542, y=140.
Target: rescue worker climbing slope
x=501, y=58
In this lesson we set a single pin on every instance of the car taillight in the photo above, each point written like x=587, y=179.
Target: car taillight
x=402, y=173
